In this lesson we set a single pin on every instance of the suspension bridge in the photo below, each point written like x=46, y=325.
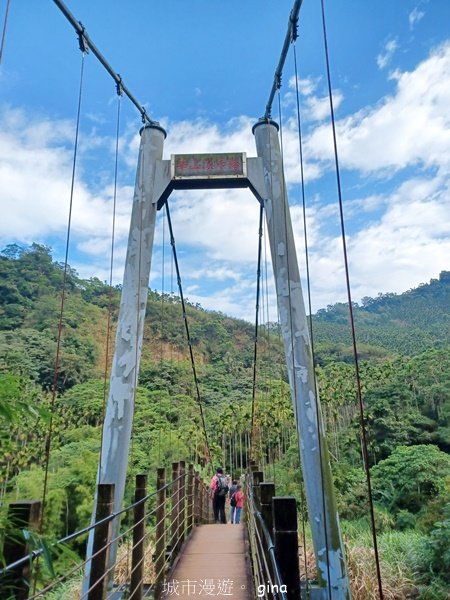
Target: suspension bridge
x=165, y=543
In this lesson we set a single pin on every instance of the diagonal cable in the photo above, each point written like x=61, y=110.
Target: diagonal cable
x=62, y=304
x=89, y=44
x=186, y=325
x=5, y=22
x=325, y=524
x=255, y=352
x=351, y=316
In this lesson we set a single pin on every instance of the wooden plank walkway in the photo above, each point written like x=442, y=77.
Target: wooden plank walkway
x=214, y=562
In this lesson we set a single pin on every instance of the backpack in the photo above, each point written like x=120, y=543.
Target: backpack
x=221, y=488
x=233, y=501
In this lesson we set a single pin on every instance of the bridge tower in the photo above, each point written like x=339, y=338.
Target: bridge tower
x=155, y=180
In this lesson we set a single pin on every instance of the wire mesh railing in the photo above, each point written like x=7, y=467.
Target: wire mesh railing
x=132, y=563
x=272, y=527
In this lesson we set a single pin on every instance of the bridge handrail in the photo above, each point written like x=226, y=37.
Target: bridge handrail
x=273, y=558
x=68, y=538
x=256, y=516
x=173, y=515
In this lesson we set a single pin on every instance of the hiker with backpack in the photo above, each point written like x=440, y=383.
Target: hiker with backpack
x=219, y=490
x=231, y=493
x=237, y=504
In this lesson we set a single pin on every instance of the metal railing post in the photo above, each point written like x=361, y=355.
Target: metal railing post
x=182, y=507
x=102, y=537
x=160, y=531
x=196, y=498
x=258, y=478
x=286, y=543
x=267, y=492
x=137, y=555
x=209, y=507
x=190, y=499
x=174, y=510
x=21, y=515
x=200, y=502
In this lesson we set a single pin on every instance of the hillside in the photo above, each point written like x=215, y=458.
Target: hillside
x=30, y=290
x=405, y=324
x=405, y=377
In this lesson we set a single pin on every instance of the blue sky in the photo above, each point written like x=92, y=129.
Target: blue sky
x=204, y=69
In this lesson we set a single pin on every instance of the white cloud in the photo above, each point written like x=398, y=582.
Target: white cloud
x=408, y=245
x=203, y=136
x=385, y=58
x=415, y=16
x=219, y=273
x=35, y=175
x=313, y=107
x=224, y=223
x=318, y=109
x=401, y=237
x=411, y=127
x=306, y=86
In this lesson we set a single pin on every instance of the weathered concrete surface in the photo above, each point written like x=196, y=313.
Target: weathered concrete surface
x=125, y=365
x=214, y=556
x=323, y=517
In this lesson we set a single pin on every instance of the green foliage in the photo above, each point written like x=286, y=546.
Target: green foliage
x=406, y=323
x=439, y=543
x=405, y=381
x=29, y=318
x=351, y=490
x=288, y=475
x=71, y=481
x=410, y=477
x=83, y=404
x=23, y=416
x=387, y=431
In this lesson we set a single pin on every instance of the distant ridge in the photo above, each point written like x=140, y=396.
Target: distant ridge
x=406, y=323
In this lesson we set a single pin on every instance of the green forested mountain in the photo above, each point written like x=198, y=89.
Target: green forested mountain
x=30, y=303
x=406, y=323
x=403, y=343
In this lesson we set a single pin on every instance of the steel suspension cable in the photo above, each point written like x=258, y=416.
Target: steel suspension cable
x=319, y=442
x=138, y=309
x=81, y=32
x=186, y=325
x=110, y=572
x=266, y=357
x=111, y=263
x=162, y=326
x=269, y=345
x=351, y=315
x=255, y=350
x=63, y=297
x=4, y=30
x=278, y=312
x=292, y=24
x=302, y=180
x=308, y=280
x=250, y=440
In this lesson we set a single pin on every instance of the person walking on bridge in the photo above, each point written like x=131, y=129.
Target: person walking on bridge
x=219, y=490
x=231, y=493
x=239, y=499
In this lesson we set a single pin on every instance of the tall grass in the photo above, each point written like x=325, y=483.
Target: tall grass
x=405, y=564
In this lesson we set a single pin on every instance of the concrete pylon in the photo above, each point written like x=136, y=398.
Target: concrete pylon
x=125, y=366
x=323, y=517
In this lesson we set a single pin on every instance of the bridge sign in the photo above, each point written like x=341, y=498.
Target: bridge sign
x=209, y=166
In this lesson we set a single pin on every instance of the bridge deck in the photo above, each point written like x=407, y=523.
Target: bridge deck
x=213, y=563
